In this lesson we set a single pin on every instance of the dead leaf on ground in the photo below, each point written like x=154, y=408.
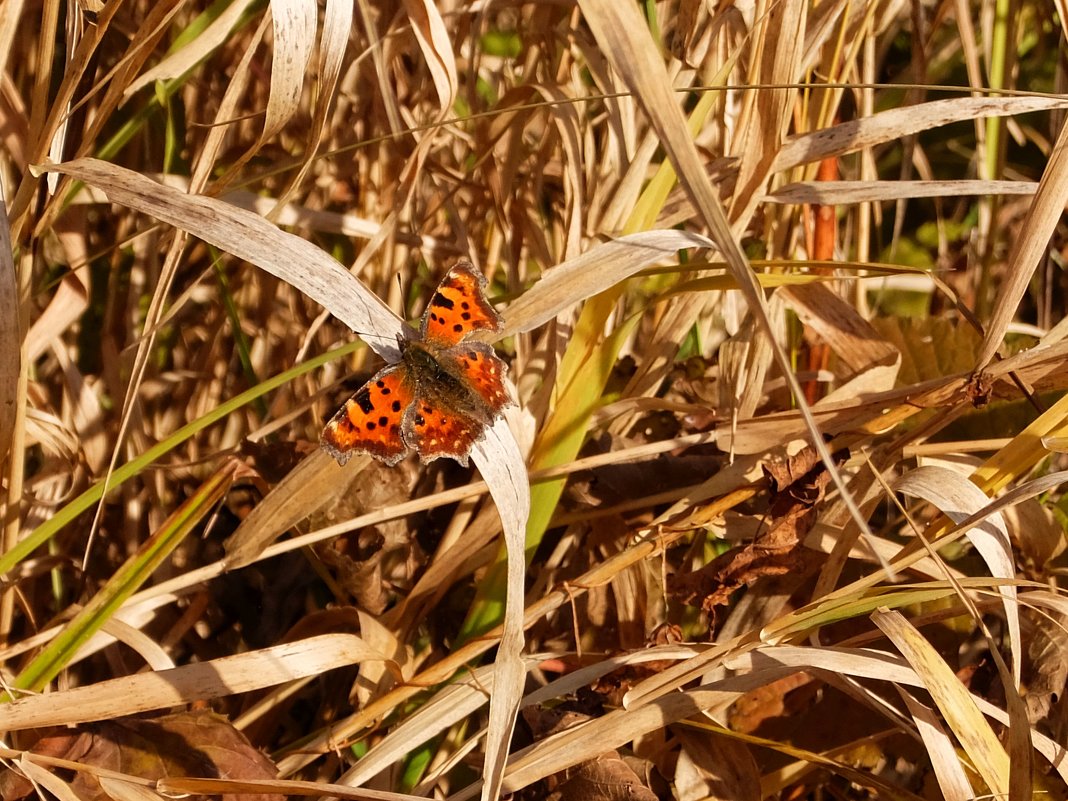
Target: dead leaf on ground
x=606, y=778
x=1046, y=671
x=371, y=562
x=713, y=767
x=199, y=744
x=798, y=485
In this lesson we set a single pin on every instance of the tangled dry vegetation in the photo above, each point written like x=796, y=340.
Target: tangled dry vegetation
x=784, y=319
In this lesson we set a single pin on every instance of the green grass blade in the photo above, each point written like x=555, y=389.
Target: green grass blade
x=68, y=513
x=126, y=581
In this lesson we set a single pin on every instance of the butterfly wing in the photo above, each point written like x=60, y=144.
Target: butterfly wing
x=443, y=394
x=370, y=421
x=434, y=430
x=481, y=371
x=459, y=306
x=447, y=423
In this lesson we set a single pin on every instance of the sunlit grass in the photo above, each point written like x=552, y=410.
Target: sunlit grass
x=167, y=364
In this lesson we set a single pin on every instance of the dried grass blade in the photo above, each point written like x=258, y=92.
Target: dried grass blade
x=337, y=23
x=304, y=490
x=780, y=31
x=499, y=460
x=594, y=271
x=120, y=790
x=958, y=498
x=250, y=237
x=433, y=38
x=853, y=339
x=451, y=704
x=622, y=33
x=49, y=780
x=886, y=126
x=952, y=780
x=952, y=699
x=217, y=678
x=847, y=192
x=294, y=23
x=197, y=48
x=1062, y=15
x=180, y=786
x=10, y=14
x=1030, y=246
x=67, y=305
x=337, y=26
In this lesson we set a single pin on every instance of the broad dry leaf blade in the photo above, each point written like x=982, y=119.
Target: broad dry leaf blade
x=952, y=780
x=958, y=498
x=48, y=779
x=302, y=492
x=199, y=47
x=203, y=681
x=888, y=126
x=499, y=460
x=294, y=23
x=121, y=790
x=953, y=700
x=250, y=237
x=839, y=193
x=434, y=42
x=594, y=271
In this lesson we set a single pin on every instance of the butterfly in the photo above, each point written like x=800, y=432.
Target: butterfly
x=439, y=398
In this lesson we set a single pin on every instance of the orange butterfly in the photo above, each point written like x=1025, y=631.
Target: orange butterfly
x=441, y=395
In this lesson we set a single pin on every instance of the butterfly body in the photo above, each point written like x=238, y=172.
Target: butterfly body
x=442, y=394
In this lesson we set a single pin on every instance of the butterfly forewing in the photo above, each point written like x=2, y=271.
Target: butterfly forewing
x=370, y=421
x=458, y=307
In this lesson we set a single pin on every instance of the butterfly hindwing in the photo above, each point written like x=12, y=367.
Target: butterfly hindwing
x=482, y=371
x=370, y=421
x=433, y=430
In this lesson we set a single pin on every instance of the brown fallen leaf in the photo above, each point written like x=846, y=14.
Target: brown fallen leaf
x=713, y=767
x=371, y=562
x=197, y=744
x=798, y=485
x=1046, y=671
x=605, y=778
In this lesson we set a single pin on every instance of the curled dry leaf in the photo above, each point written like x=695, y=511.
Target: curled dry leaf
x=604, y=777
x=798, y=485
x=1047, y=671
x=607, y=778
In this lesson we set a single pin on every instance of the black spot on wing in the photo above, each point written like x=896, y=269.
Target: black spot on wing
x=442, y=301
x=363, y=400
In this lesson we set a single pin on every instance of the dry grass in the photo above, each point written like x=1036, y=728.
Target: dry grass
x=776, y=326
